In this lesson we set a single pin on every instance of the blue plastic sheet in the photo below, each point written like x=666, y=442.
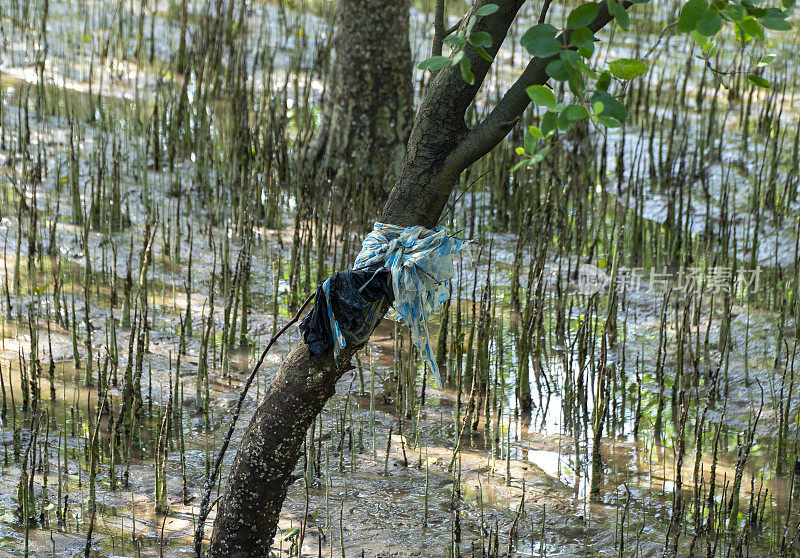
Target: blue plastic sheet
x=420, y=262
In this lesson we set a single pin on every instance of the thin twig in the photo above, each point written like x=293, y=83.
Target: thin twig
x=658, y=39
x=426, y=272
x=452, y=207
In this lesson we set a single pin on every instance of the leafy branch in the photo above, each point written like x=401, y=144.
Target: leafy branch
x=481, y=40
x=566, y=56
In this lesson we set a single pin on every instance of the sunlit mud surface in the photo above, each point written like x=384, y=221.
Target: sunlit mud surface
x=387, y=505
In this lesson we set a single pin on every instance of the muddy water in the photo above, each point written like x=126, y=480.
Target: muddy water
x=374, y=501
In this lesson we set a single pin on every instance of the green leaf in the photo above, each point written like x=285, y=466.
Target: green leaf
x=611, y=106
x=778, y=13
x=570, y=57
x=576, y=82
x=480, y=39
x=540, y=155
x=766, y=59
x=485, y=55
x=604, y=81
x=758, y=81
x=701, y=40
x=583, y=38
x=627, y=68
x=545, y=47
x=434, y=63
x=470, y=24
x=597, y=107
x=557, y=70
x=519, y=150
x=752, y=28
x=487, y=9
x=734, y=12
x=466, y=71
x=564, y=123
x=535, y=33
x=751, y=9
x=530, y=142
x=454, y=40
x=575, y=113
x=583, y=15
x=291, y=533
x=621, y=16
x=776, y=23
x=691, y=13
x=788, y=4
x=710, y=24
x=549, y=123
x=587, y=70
x=609, y=121
x=542, y=96
x=537, y=133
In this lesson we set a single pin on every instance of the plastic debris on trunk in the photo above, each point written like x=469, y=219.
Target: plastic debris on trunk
x=344, y=306
x=420, y=262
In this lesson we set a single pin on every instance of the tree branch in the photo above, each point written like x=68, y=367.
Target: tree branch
x=486, y=135
x=459, y=94
x=438, y=28
x=453, y=28
x=427, y=181
x=543, y=13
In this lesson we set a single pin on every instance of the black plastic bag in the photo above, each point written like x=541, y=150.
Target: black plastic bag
x=354, y=295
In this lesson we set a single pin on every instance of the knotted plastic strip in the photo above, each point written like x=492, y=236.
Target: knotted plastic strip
x=420, y=262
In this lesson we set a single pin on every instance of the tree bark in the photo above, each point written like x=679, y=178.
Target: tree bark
x=366, y=119
x=440, y=147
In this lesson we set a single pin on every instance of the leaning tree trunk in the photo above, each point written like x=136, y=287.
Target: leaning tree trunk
x=439, y=149
x=360, y=144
